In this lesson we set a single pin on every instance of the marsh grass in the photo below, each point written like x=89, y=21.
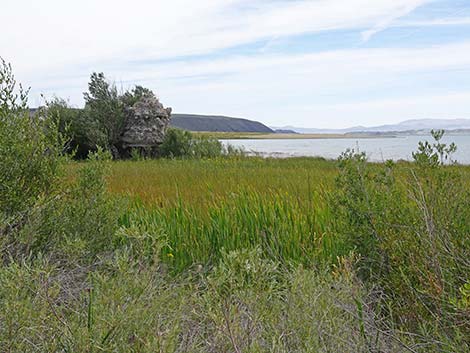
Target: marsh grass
x=228, y=254
x=284, y=228
x=204, y=206
x=200, y=182
x=260, y=263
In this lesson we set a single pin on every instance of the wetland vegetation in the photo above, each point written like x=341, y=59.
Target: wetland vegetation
x=219, y=252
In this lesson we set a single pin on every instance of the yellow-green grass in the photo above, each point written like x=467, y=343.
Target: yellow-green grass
x=204, y=206
x=200, y=182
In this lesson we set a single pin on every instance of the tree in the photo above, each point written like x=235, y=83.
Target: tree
x=129, y=98
x=105, y=110
x=82, y=133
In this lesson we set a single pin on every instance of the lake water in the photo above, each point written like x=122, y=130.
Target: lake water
x=377, y=149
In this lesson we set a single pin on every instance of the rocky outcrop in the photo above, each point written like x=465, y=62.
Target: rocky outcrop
x=146, y=124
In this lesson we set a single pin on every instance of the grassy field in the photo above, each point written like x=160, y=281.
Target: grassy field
x=243, y=254
x=284, y=207
x=200, y=182
x=205, y=206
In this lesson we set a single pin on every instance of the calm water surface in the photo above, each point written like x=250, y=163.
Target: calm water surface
x=377, y=149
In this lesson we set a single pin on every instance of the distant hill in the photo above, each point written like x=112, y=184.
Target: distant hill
x=193, y=122
x=284, y=131
x=415, y=125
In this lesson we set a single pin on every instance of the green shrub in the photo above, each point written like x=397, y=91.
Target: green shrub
x=83, y=134
x=176, y=144
x=30, y=152
x=39, y=212
x=125, y=305
x=78, y=223
x=129, y=98
x=182, y=144
x=206, y=148
x=438, y=153
x=105, y=110
x=409, y=223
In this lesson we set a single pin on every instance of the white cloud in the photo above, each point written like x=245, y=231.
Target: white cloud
x=455, y=21
x=273, y=88
x=54, y=45
x=402, y=9
x=329, y=63
x=50, y=34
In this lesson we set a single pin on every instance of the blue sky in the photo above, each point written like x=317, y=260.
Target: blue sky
x=308, y=63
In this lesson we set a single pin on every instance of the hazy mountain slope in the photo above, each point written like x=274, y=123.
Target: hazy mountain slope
x=193, y=122
x=407, y=125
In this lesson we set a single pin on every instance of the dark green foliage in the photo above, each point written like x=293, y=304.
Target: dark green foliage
x=30, y=151
x=177, y=143
x=410, y=225
x=105, y=110
x=360, y=201
x=82, y=133
x=204, y=147
x=79, y=221
x=101, y=122
x=438, y=153
x=38, y=213
x=129, y=98
x=182, y=144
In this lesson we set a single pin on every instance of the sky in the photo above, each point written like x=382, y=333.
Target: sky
x=304, y=63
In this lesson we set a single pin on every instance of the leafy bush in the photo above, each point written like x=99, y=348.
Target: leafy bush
x=126, y=306
x=409, y=223
x=129, y=98
x=176, y=144
x=83, y=134
x=40, y=213
x=182, y=144
x=105, y=109
x=207, y=148
x=80, y=221
x=100, y=124
x=30, y=152
x=436, y=154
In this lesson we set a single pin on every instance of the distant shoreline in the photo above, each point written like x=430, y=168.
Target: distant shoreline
x=317, y=136
x=286, y=136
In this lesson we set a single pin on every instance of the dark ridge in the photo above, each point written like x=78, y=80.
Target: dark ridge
x=193, y=122
x=285, y=131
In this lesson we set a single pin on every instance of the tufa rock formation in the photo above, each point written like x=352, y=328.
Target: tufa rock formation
x=146, y=124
